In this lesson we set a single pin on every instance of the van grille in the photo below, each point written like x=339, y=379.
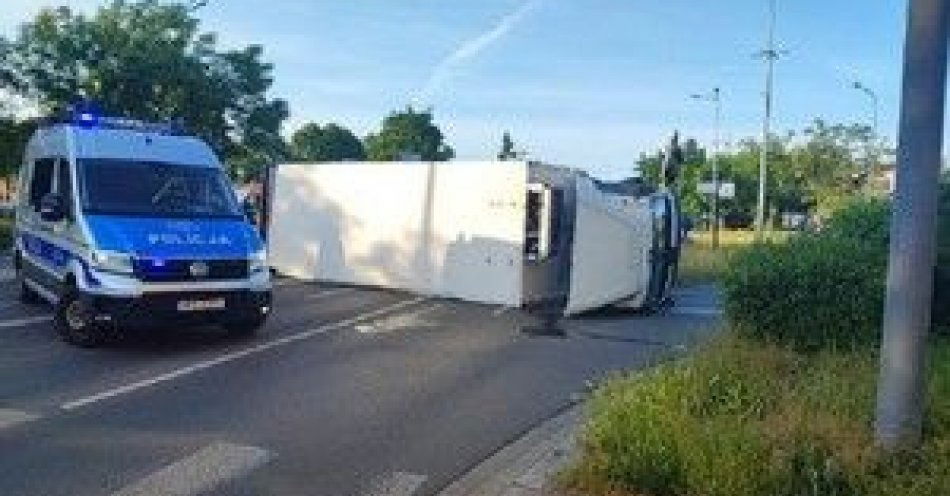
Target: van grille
x=150, y=270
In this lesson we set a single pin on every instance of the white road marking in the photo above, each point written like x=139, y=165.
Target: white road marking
x=4, y=324
x=10, y=304
x=200, y=472
x=9, y=418
x=399, y=321
x=499, y=311
x=328, y=293
x=197, y=367
x=704, y=311
x=365, y=328
x=397, y=484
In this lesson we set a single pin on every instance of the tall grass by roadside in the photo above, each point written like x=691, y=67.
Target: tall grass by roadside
x=742, y=418
x=782, y=403
x=701, y=263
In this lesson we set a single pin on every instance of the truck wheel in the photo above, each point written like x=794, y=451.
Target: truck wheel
x=245, y=326
x=27, y=294
x=74, y=321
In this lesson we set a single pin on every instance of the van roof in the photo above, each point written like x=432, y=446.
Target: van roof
x=131, y=144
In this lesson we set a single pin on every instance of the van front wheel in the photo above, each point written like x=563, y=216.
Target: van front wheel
x=246, y=326
x=74, y=321
x=27, y=294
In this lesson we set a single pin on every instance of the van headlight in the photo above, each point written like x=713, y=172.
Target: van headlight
x=112, y=261
x=258, y=261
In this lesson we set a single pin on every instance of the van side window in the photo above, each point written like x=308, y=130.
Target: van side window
x=64, y=186
x=41, y=181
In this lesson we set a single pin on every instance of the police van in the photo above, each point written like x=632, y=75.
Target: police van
x=125, y=224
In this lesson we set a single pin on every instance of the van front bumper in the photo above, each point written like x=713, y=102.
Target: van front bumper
x=164, y=309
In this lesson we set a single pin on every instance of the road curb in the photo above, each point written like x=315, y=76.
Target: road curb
x=524, y=467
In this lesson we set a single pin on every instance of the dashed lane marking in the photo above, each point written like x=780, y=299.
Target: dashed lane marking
x=5, y=324
x=10, y=418
x=397, y=484
x=200, y=472
x=229, y=357
x=290, y=282
x=499, y=311
x=328, y=293
x=700, y=311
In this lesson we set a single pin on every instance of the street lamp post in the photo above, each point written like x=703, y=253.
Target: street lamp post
x=874, y=100
x=875, y=104
x=716, y=98
x=770, y=55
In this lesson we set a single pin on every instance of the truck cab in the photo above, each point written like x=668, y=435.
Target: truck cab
x=126, y=224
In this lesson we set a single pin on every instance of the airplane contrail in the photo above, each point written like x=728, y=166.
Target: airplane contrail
x=471, y=48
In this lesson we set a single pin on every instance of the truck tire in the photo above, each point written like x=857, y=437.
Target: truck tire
x=74, y=322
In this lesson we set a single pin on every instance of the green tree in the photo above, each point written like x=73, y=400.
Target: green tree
x=507, y=148
x=811, y=171
x=330, y=143
x=831, y=162
x=408, y=133
x=692, y=173
x=13, y=137
x=147, y=59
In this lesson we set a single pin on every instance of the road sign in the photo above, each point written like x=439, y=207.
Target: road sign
x=726, y=189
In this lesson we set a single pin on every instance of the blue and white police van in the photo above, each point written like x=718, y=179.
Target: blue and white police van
x=124, y=224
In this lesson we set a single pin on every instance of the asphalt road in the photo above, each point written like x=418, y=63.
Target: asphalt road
x=347, y=391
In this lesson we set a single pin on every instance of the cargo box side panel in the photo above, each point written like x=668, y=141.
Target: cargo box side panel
x=611, y=250
x=445, y=229
x=478, y=224
x=298, y=219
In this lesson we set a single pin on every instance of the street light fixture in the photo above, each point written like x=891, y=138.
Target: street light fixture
x=716, y=99
x=875, y=104
x=874, y=100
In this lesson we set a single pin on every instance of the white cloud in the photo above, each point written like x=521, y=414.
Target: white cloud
x=471, y=48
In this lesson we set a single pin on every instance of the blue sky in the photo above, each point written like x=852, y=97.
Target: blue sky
x=588, y=83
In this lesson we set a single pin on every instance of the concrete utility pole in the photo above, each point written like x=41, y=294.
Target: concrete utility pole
x=716, y=98
x=770, y=54
x=900, y=397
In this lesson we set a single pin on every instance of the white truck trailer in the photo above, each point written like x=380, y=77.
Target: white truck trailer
x=514, y=233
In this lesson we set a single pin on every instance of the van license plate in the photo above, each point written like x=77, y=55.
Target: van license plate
x=200, y=305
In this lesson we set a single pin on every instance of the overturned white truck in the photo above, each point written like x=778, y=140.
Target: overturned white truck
x=522, y=234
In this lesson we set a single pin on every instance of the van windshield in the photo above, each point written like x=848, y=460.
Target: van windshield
x=124, y=187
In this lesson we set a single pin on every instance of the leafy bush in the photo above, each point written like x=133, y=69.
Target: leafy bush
x=817, y=289
x=941, y=310
x=745, y=419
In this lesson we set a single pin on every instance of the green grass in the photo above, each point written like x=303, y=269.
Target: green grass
x=701, y=263
x=742, y=418
x=6, y=232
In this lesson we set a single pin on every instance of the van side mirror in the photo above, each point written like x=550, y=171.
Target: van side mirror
x=250, y=210
x=52, y=208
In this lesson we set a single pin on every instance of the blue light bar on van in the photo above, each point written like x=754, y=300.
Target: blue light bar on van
x=88, y=115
